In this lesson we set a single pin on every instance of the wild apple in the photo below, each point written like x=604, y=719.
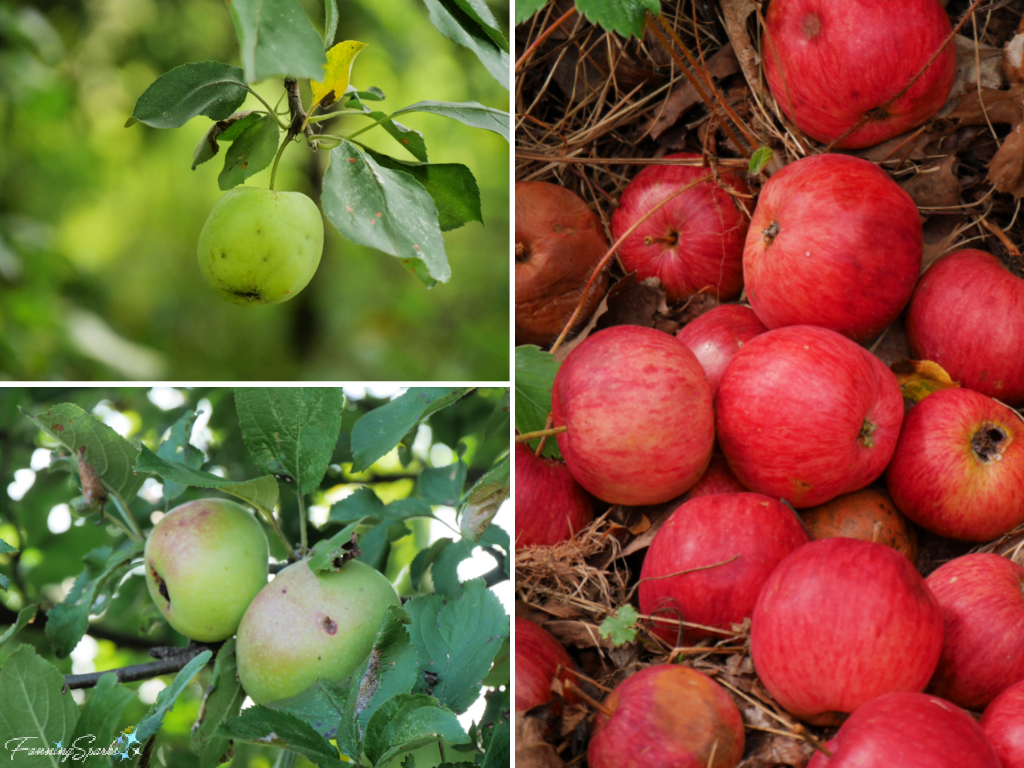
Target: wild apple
x=909, y=730
x=833, y=242
x=637, y=409
x=695, y=241
x=832, y=65
x=839, y=622
x=540, y=659
x=303, y=626
x=716, y=336
x=982, y=601
x=958, y=469
x=551, y=507
x=205, y=562
x=717, y=478
x=709, y=560
x=967, y=315
x=1003, y=723
x=559, y=241
x=667, y=716
x=805, y=414
x=867, y=514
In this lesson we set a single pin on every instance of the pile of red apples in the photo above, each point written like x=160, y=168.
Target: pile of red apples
x=800, y=469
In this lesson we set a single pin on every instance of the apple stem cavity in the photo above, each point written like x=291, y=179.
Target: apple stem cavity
x=670, y=239
x=770, y=233
x=989, y=442
x=522, y=252
x=866, y=431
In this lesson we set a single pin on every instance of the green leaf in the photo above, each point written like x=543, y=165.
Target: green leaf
x=535, y=378
x=154, y=718
x=25, y=615
x=471, y=113
x=443, y=485
x=263, y=725
x=484, y=499
x=620, y=628
x=499, y=747
x=407, y=137
x=380, y=430
x=498, y=421
x=761, y=157
x=110, y=455
x=423, y=561
x=277, y=39
x=391, y=669
x=201, y=88
x=251, y=152
x=407, y=721
x=34, y=713
x=291, y=430
x=478, y=11
x=445, y=571
x=627, y=17
x=321, y=557
x=330, y=22
x=99, y=719
x=177, y=450
x=453, y=22
x=452, y=187
x=385, y=209
x=457, y=640
x=222, y=701
x=501, y=669
x=321, y=706
x=6, y=548
x=526, y=8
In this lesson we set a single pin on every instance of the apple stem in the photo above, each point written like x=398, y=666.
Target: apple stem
x=669, y=240
x=302, y=516
x=540, y=433
x=571, y=686
x=133, y=529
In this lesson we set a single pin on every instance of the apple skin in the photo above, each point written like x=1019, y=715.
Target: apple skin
x=716, y=336
x=205, y=562
x=909, y=730
x=842, y=61
x=867, y=514
x=559, y=241
x=551, y=507
x=717, y=478
x=841, y=621
x=1003, y=723
x=833, y=242
x=693, y=242
x=805, y=414
x=539, y=660
x=638, y=409
x=967, y=315
x=982, y=601
x=958, y=469
x=259, y=246
x=752, y=531
x=302, y=627
x=667, y=716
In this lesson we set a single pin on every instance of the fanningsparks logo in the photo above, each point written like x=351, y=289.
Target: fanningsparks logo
x=121, y=747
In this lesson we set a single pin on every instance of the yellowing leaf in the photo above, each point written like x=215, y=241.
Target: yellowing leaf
x=339, y=70
x=924, y=378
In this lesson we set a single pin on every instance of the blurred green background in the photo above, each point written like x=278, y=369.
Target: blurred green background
x=98, y=223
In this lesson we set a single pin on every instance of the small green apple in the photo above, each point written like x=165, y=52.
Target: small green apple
x=260, y=246
x=304, y=626
x=205, y=562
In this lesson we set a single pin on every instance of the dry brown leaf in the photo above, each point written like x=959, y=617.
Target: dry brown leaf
x=580, y=634
x=735, y=13
x=1006, y=168
x=967, y=62
x=1000, y=106
x=685, y=96
x=630, y=302
x=935, y=185
x=531, y=749
x=773, y=750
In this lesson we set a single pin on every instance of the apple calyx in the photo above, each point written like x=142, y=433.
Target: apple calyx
x=522, y=252
x=989, y=442
x=770, y=233
x=867, y=429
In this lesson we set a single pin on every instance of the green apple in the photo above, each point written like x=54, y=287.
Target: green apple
x=205, y=562
x=260, y=246
x=304, y=626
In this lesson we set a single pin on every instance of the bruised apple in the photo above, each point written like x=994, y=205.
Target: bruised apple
x=866, y=514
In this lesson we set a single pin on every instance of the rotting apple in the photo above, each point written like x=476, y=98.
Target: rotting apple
x=551, y=507
x=709, y=560
x=259, y=246
x=717, y=478
x=833, y=242
x=833, y=66
x=667, y=716
x=205, y=562
x=839, y=622
x=559, y=241
x=303, y=626
x=867, y=514
x=967, y=315
x=909, y=730
x=982, y=601
x=540, y=659
x=637, y=409
x=716, y=336
x=1003, y=723
x=958, y=468
x=695, y=241
x=805, y=414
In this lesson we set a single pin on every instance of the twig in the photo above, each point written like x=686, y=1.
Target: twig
x=136, y=672
x=297, y=124
x=540, y=433
x=544, y=36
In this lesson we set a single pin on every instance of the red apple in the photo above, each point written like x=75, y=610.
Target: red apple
x=667, y=716
x=695, y=241
x=709, y=560
x=908, y=730
x=550, y=505
x=841, y=621
x=834, y=242
x=717, y=478
x=1003, y=723
x=559, y=241
x=805, y=414
x=716, y=336
x=967, y=314
x=867, y=514
x=638, y=412
x=540, y=659
x=982, y=601
x=958, y=469
x=832, y=63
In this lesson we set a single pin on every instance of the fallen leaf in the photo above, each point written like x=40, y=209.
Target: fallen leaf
x=1000, y=106
x=1006, y=168
x=935, y=185
x=684, y=96
x=531, y=749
